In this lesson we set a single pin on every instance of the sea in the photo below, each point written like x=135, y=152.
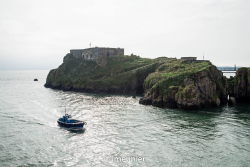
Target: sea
x=119, y=132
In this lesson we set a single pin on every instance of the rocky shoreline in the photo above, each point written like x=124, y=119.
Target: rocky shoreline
x=163, y=82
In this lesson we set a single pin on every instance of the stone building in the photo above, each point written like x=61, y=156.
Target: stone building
x=189, y=58
x=96, y=53
x=193, y=59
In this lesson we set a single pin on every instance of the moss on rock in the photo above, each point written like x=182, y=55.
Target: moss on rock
x=189, y=85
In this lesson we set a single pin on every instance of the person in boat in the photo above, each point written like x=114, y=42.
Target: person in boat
x=66, y=117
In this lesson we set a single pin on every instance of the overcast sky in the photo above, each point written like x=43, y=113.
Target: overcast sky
x=36, y=34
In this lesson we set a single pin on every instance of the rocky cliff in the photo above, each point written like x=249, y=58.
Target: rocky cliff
x=239, y=86
x=121, y=74
x=188, y=85
x=165, y=82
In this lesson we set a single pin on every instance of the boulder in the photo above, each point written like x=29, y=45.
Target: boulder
x=145, y=101
x=231, y=101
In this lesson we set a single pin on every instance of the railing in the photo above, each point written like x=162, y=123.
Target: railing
x=228, y=69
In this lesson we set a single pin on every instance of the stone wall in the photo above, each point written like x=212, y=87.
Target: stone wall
x=95, y=53
x=77, y=53
x=189, y=58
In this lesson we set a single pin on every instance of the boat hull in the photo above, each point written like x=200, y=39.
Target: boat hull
x=71, y=125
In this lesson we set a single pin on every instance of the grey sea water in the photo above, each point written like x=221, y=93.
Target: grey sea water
x=119, y=131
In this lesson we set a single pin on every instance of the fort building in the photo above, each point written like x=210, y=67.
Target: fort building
x=96, y=53
x=189, y=58
x=193, y=59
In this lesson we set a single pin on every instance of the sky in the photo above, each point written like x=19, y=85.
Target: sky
x=37, y=34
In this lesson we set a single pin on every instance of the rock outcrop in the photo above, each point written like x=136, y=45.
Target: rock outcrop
x=241, y=85
x=165, y=82
x=188, y=85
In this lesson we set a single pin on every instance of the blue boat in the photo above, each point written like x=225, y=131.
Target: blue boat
x=67, y=122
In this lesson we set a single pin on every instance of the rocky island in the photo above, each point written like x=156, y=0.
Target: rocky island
x=164, y=82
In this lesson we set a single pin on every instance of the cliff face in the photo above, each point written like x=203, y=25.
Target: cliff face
x=165, y=82
x=242, y=85
x=188, y=85
x=121, y=74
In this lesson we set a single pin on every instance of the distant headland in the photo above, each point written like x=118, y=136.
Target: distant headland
x=185, y=83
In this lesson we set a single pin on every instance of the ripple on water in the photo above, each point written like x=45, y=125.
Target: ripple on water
x=117, y=127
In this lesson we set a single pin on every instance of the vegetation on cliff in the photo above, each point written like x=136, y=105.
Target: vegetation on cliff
x=121, y=74
x=165, y=82
x=185, y=84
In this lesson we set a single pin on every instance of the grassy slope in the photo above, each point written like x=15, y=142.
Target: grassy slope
x=123, y=74
x=161, y=77
x=167, y=82
x=172, y=73
x=185, y=84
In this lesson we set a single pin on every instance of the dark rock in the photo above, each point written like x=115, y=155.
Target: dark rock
x=158, y=102
x=231, y=101
x=230, y=86
x=242, y=85
x=35, y=79
x=145, y=101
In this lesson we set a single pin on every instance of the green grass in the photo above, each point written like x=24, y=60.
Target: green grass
x=122, y=72
x=172, y=73
x=125, y=72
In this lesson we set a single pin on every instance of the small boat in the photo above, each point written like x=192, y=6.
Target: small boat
x=67, y=122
